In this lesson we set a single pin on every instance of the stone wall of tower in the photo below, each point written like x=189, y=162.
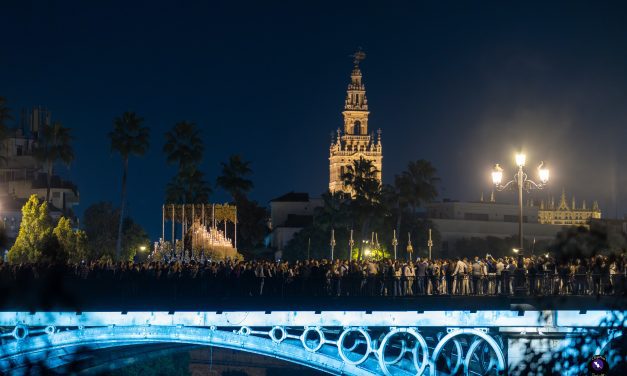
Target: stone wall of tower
x=353, y=142
x=348, y=150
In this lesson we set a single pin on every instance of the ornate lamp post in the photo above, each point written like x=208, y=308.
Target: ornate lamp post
x=410, y=249
x=430, y=244
x=520, y=182
x=394, y=244
x=351, y=244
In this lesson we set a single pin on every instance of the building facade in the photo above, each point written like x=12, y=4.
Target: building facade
x=563, y=214
x=289, y=214
x=354, y=142
x=22, y=174
x=466, y=220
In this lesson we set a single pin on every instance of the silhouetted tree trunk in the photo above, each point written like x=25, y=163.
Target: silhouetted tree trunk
x=118, y=245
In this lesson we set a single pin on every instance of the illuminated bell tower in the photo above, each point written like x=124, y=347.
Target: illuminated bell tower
x=354, y=142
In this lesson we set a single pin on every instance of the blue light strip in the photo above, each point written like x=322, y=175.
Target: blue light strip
x=310, y=318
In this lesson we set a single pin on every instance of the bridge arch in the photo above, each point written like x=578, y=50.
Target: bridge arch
x=56, y=350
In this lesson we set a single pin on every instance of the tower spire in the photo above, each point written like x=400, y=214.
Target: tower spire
x=355, y=142
x=356, y=93
x=563, y=204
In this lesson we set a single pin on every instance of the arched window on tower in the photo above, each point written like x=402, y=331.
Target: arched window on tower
x=357, y=127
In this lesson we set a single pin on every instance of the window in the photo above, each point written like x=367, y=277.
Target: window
x=18, y=150
x=357, y=127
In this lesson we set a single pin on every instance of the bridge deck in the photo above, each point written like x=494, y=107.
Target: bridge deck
x=190, y=302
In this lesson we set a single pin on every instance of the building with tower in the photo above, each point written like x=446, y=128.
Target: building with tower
x=22, y=174
x=457, y=220
x=564, y=214
x=354, y=142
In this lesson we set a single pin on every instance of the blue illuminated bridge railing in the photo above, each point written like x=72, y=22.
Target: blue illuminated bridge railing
x=408, y=338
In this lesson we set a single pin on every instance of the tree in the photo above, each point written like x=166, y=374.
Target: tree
x=53, y=145
x=252, y=224
x=233, y=178
x=573, y=358
x=72, y=243
x=334, y=215
x=35, y=232
x=335, y=211
x=100, y=222
x=188, y=188
x=417, y=184
x=184, y=148
x=128, y=138
x=366, y=204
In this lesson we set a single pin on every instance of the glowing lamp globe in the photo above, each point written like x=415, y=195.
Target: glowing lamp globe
x=497, y=174
x=544, y=175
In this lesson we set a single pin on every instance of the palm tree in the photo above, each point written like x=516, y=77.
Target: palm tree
x=361, y=178
x=366, y=194
x=233, y=178
x=54, y=144
x=188, y=188
x=395, y=203
x=183, y=145
x=418, y=184
x=184, y=148
x=128, y=138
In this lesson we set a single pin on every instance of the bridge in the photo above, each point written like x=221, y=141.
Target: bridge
x=340, y=341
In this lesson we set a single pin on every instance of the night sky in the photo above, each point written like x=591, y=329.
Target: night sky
x=460, y=85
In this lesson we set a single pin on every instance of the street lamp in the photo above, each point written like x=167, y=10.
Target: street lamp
x=394, y=244
x=142, y=248
x=520, y=182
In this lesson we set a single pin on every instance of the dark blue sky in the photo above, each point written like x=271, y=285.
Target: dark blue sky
x=461, y=84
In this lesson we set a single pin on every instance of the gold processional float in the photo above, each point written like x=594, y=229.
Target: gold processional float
x=202, y=231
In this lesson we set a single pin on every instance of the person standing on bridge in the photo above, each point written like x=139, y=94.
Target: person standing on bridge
x=410, y=276
x=477, y=271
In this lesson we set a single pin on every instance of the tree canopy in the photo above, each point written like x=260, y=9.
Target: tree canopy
x=100, y=222
x=370, y=212
x=233, y=178
x=34, y=234
x=184, y=148
x=128, y=138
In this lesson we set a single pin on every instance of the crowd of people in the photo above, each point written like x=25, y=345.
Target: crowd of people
x=459, y=276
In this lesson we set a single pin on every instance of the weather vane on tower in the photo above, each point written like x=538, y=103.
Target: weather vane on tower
x=358, y=56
